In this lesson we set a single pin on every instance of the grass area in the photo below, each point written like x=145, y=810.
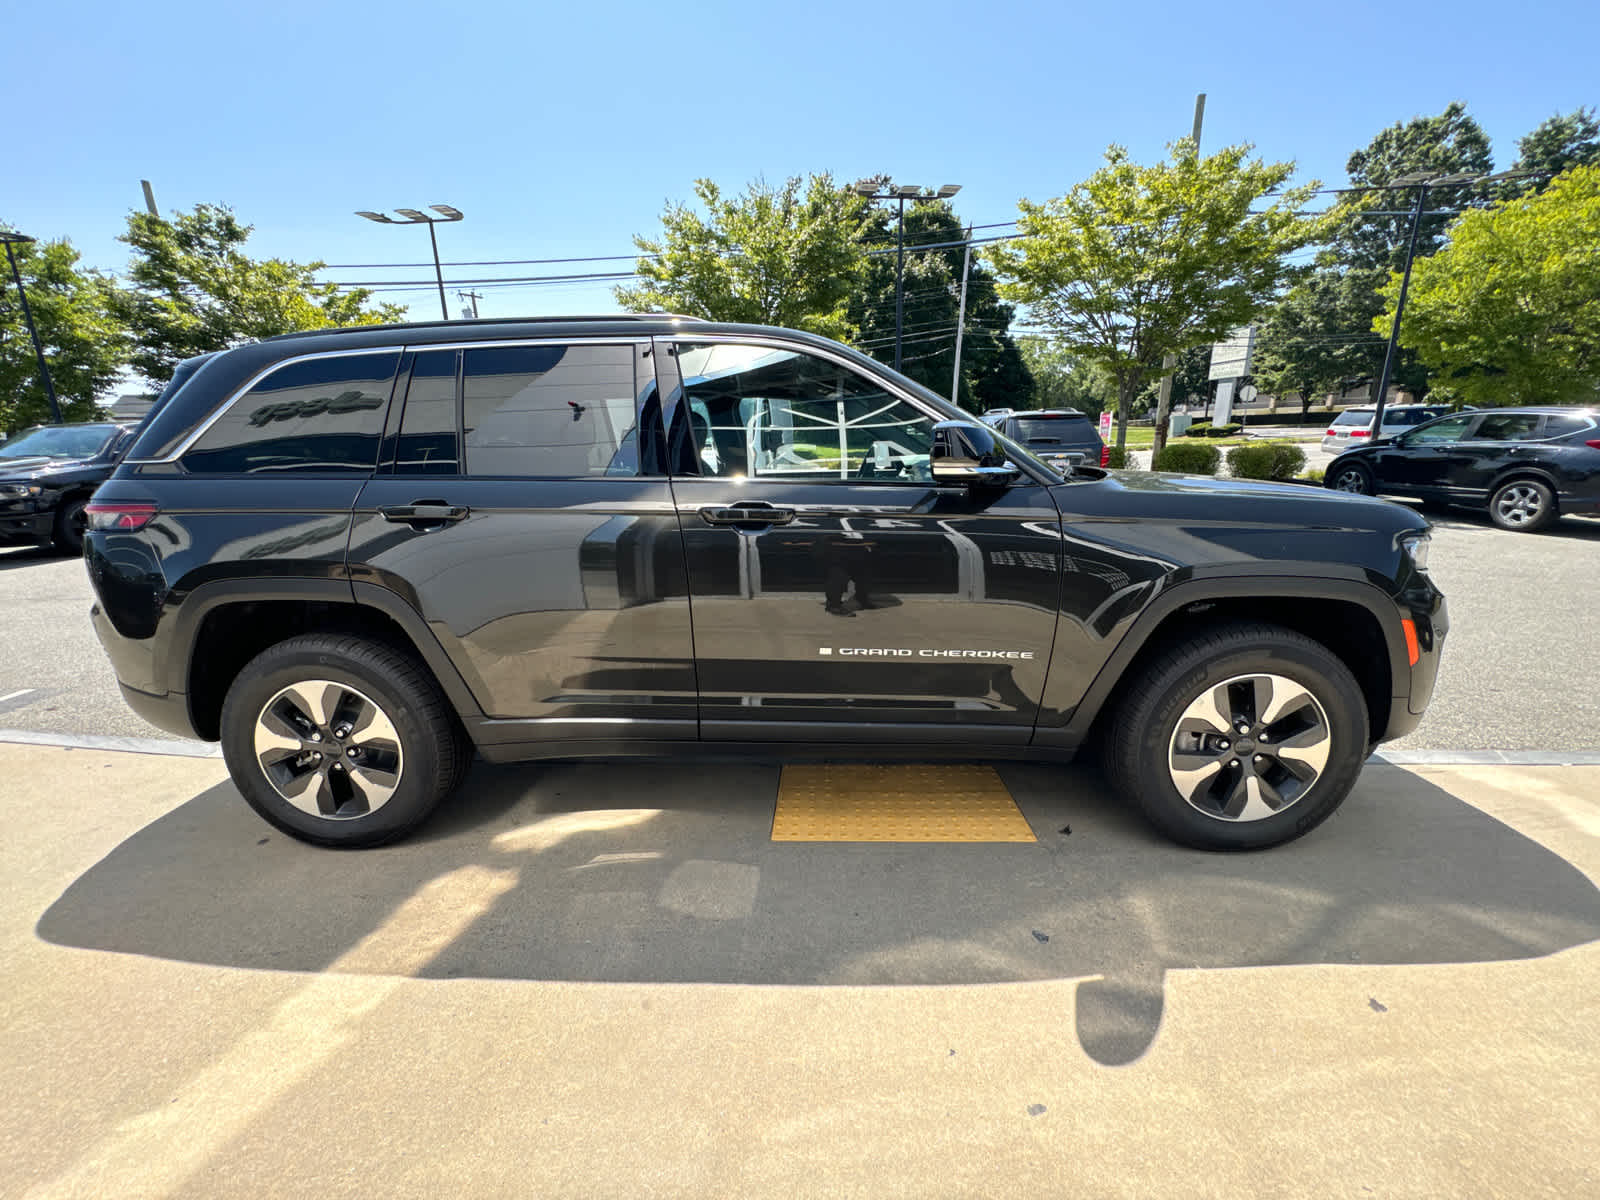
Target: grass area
x=1142, y=437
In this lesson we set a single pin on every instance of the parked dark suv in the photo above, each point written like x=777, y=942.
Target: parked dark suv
x=47, y=475
x=356, y=557
x=1059, y=436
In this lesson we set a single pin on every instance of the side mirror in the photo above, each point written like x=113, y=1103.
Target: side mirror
x=965, y=452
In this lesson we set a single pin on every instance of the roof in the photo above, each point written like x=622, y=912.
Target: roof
x=495, y=323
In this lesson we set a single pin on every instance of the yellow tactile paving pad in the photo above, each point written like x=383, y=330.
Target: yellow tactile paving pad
x=853, y=802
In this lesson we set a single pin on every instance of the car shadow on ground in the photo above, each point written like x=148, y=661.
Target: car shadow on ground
x=639, y=873
x=1580, y=528
x=12, y=557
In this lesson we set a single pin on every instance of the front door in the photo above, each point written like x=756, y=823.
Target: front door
x=1421, y=460
x=837, y=592
x=519, y=514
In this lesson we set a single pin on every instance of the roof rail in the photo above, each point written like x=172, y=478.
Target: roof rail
x=482, y=321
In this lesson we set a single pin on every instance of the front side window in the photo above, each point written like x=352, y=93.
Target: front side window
x=1451, y=429
x=549, y=411
x=319, y=416
x=770, y=413
x=1507, y=427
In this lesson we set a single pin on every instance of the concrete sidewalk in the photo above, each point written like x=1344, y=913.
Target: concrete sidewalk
x=608, y=980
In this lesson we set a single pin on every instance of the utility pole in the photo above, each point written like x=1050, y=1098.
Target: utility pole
x=1399, y=309
x=27, y=315
x=1169, y=361
x=472, y=298
x=961, y=319
x=149, y=198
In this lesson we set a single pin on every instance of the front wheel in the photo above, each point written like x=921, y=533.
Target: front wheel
x=340, y=740
x=1523, y=506
x=71, y=522
x=1247, y=736
x=1352, y=478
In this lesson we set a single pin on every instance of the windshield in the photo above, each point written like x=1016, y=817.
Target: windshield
x=59, y=441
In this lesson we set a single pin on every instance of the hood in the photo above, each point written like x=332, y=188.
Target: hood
x=26, y=468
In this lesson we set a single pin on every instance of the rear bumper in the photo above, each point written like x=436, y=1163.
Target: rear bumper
x=133, y=660
x=169, y=713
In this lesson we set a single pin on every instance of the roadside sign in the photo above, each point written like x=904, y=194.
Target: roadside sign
x=1105, y=427
x=1248, y=393
x=1230, y=359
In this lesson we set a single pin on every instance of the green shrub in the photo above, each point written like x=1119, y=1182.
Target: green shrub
x=1189, y=458
x=1230, y=430
x=1198, y=429
x=1121, y=459
x=1266, y=460
x=1312, y=476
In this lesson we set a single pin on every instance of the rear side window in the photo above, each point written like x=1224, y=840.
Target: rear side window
x=323, y=416
x=549, y=411
x=428, y=442
x=1563, y=426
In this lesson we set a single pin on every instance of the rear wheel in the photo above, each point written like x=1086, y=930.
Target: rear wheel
x=1245, y=737
x=1352, y=477
x=340, y=740
x=1523, y=505
x=67, y=535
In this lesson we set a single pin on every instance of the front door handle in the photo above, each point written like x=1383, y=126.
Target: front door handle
x=424, y=514
x=755, y=513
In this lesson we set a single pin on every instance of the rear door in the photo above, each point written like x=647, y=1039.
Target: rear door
x=1497, y=442
x=517, y=514
x=838, y=594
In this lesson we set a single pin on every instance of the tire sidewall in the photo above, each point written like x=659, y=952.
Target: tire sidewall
x=67, y=538
x=280, y=667
x=1321, y=675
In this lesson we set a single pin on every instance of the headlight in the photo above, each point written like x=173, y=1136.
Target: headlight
x=1416, y=545
x=20, y=489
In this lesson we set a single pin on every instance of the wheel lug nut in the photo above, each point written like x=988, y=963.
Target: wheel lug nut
x=351, y=752
x=1223, y=744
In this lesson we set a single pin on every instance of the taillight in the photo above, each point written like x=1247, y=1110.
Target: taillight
x=1361, y=433
x=1593, y=445
x=1333, y=433
x=1105, y=455
x=121, y=515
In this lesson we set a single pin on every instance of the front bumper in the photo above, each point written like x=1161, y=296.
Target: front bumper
x=1425, y=605
x=18, y=526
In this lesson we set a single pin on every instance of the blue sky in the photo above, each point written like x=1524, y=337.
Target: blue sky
x=562, y=129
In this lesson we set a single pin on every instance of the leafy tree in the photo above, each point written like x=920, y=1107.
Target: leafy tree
x=1140, y=261
x=1509, y=311
x=1062, y=381
x=192, y=289
x=1191, y=379
x=1572, y=140
x=84, y=345
x=993, y=372
x=1320, y=334
x=770, y=256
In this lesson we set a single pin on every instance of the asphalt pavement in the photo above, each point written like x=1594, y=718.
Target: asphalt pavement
x=1518, y=672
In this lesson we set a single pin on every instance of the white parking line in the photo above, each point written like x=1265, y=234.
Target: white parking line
x=14, y=695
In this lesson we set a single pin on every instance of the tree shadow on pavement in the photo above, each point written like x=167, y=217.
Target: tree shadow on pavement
x=644, y=873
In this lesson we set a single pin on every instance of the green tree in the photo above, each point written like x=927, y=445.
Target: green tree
x=1509, y=311
x=1570, y=140
x=993, y=373
x=770, y=256
x=1061, y=380
x=1191, y=379
x=1320, y=333
x=85, y=346
x=192, y=289
x=1140, y=261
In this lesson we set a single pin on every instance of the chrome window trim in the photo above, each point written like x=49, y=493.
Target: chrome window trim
x=240, y=392
x=777, y=341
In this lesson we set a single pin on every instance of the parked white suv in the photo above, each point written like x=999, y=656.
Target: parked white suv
x=1353, y=427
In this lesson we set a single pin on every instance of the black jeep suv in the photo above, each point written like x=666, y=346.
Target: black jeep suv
x=357, y=556
x=47, y=475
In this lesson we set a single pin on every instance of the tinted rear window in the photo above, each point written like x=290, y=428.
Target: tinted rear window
x=320, y=416
x=1564, y=426
x=1355, y=416
x=1074, y=427
x=549, y=411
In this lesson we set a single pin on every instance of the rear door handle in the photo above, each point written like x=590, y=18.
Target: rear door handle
x=424, y=514
x=746, y=514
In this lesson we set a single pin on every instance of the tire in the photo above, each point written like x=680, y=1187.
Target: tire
x=1250, y=798
x=1523, y=506
x=376, y=782
x=1352, y=477
x=67, y=534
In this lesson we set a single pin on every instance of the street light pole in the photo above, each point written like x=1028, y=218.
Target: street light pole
x=880, y=188
x=27, y=315
x=413, y=217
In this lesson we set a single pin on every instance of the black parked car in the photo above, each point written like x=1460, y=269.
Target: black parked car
x=1528, y=465
x=357, y=557
x=1060, y=436
x=47, y=475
